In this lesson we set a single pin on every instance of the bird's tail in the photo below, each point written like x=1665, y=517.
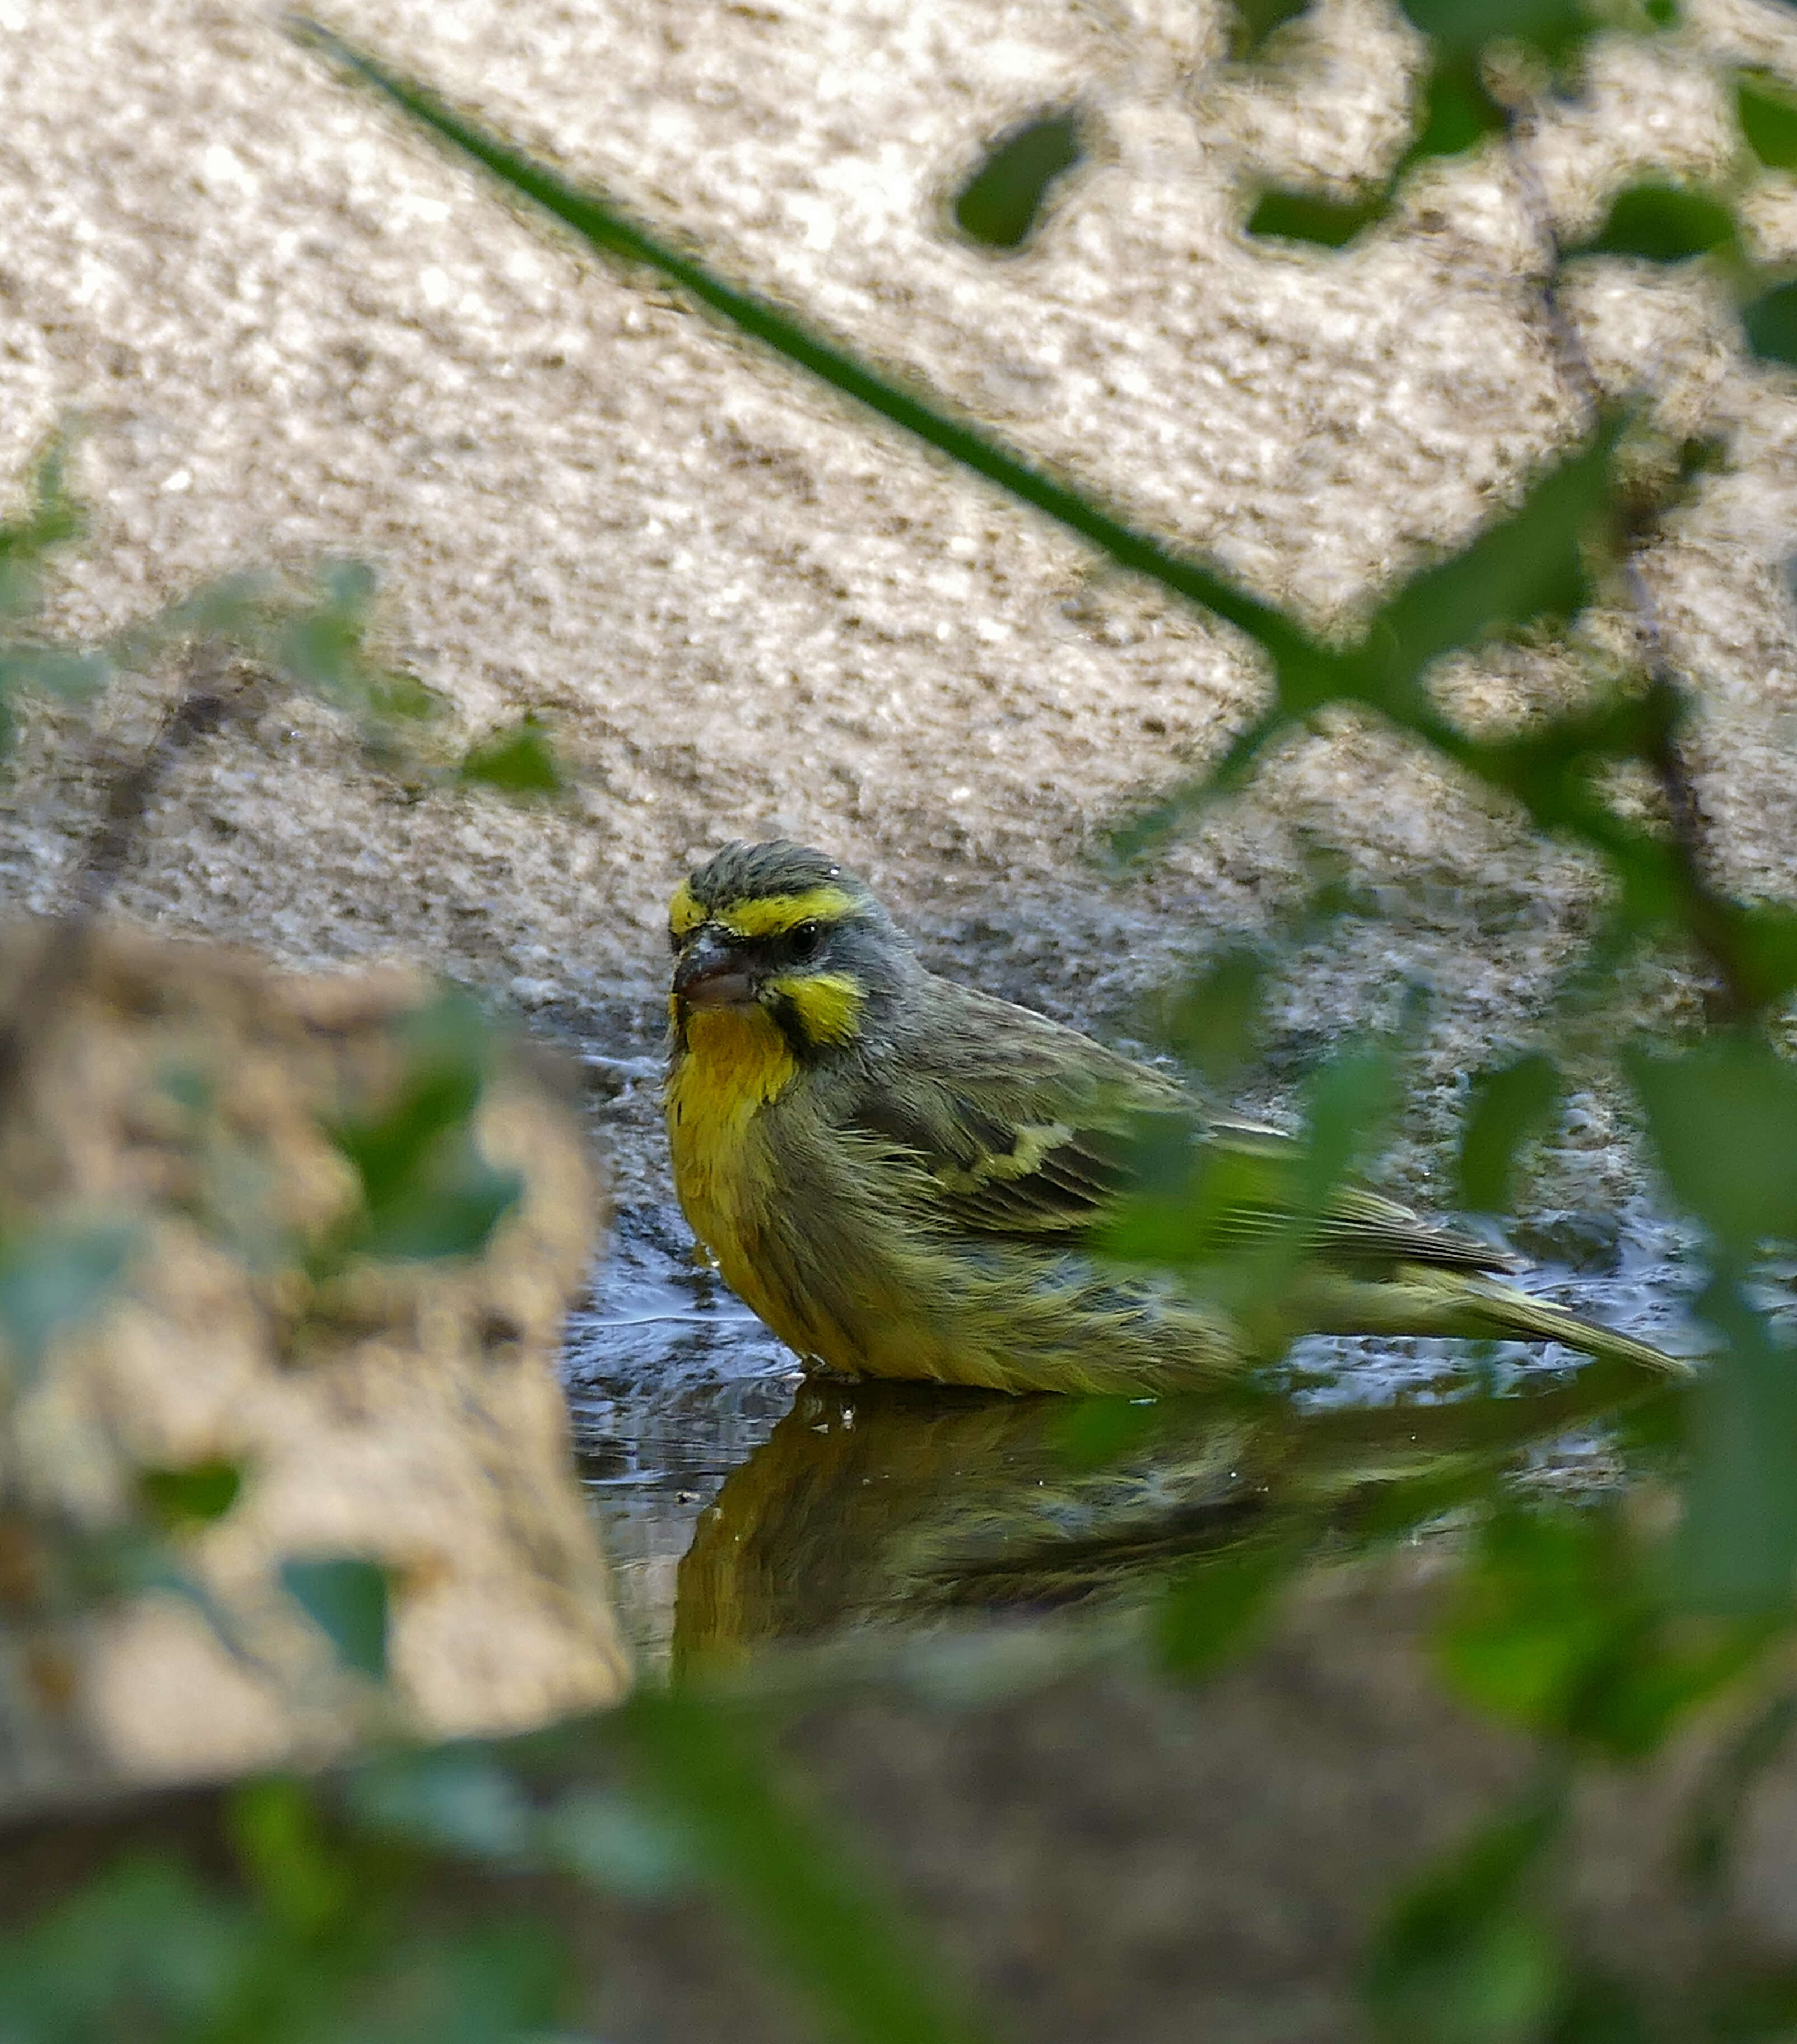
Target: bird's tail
x=1421, y=1300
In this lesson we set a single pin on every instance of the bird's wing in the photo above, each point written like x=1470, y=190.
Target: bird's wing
x=1033, y=1133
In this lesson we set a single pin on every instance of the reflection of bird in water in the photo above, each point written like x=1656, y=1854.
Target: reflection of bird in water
x=907, y=1179
x=897, y=1502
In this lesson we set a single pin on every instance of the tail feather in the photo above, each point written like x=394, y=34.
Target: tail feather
x=1417, y=1300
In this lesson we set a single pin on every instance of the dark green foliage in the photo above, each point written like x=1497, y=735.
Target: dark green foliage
x=519, y=760
x=1510, y=1104
x=1215, y=1024
x=1000, y=204
x=1213, y=1608
x=1556, y=28
x=1465, y=1956
x=1663, y=223
x=1769, y=120
x=1562, y=1624
x=1770, y=323
x=1298, y=217
x=1723, y=1118
x=1093, y=1432
x=703, y=1764
x=427, y=1192
x=347, y=1600
x=1457, y=110
x=178, y=1499
x=1252, y=21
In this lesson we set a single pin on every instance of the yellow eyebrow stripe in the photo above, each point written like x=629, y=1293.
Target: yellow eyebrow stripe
x=773, y=915
x=684, y=915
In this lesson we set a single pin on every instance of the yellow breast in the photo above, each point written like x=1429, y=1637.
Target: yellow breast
x=735, y=1062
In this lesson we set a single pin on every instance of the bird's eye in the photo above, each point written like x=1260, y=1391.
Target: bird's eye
x=803, y=939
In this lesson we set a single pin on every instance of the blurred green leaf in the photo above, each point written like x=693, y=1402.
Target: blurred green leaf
x=274, y=1828
x=179, y=1499
x=1090, y=1433
x=1770, y=324
x=1350, y=1101
x=1736, y=1546
x=1510, y=1104
x=53, y=518
x=451, y=1799
x=1293, y=216
x=1456, y=110
x=141, y=1951
x=53, y=1278
x=519, y=760
x=614, y=1842
x=1723, y=1121
x=427, y=1192
x=1769, y=120
x=1464, y=1956
x=1252, y=21
x=1562, y=1623
x=1214, y=1025
x=1663, y=224
x=813, y=1911
x=1554, y=27
x=1528, y=566
x=1216, y=1604
x=347, y=1599
x=53, y=670
x=1001, y=203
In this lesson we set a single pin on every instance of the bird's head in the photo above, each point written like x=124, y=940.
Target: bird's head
x=789, y=933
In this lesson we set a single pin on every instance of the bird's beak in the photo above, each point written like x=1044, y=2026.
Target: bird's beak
x=710, y=974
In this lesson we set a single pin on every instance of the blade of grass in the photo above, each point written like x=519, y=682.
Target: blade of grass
x=606, y=226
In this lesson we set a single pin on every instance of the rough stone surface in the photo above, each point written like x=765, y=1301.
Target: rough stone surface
x=405, y=1412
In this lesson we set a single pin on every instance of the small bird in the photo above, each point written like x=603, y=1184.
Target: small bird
x=906, y=1178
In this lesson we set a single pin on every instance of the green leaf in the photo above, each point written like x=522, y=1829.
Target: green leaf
x=1456, y=111
x=427, y=1192
x=1736, y=1546
x=274, y=1830
x=1001, y=203
x=53, y=1279
x=1769, y=120
x=1464, y=1956
x=1770, y=324
x=1663, y=224
x=1530, y=565
x=1723, y=1121
x=53, y=670
x=180, y=1499
x=53, y=518
x=1554, y=27
x=347, y=1600
x=611, y=1840
x=606, y=227
x=1509, y=1103
x=141, y=1950
x=1214, y=1025
x=1254, y=20
x=1329, y=223
x=518, y=761
x=454, y=1800
x=1090, y=1433
x=812, y=1910
x=1217, y=1604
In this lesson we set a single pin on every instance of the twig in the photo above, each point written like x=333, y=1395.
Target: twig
x=37, y=999
x=1708, y=911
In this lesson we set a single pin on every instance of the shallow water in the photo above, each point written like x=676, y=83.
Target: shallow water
x=743, y=1503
